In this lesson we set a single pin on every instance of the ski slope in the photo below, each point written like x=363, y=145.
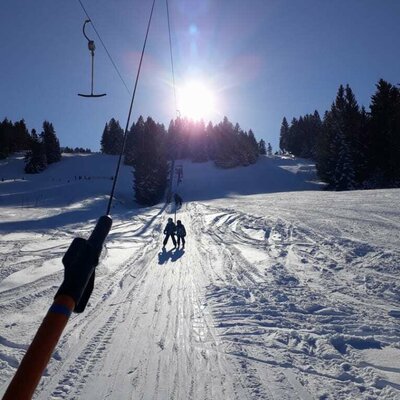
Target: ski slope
x=283, y=291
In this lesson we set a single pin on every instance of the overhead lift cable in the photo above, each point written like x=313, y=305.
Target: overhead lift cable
x=171, y=175
x=172, y=59
x=80, y=261
x=129, y=114
x=104, y=46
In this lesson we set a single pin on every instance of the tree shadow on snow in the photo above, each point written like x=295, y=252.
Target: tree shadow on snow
x=267, y=175
x=48, y=222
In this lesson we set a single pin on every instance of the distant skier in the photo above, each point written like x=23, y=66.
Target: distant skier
x=178, y=200
x=180, y=233
x=169, y=231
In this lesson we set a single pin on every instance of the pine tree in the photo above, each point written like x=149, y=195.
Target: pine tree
x=117, y=134
x=384, y=134
x=211, y=142
x=178, y=136
x=316, y=127
x=233, y=146
x=6, y=128
x=329, y=145
x=261, y=147
x=129, y=151
x=253, y=146
x=137, y=140
x=360, y=151
x=269, y=150
x=226, y=145
x=13, y=137
x=355, y=135
x=301, y=137
x=343, y=175
x=21, y=137
x=243, y=147
x=35, y=158
x=339, y=149
x=105, y=140
x=295, y=137
x=151, y=167
x=51, y=143
x=170, y=141
x=112, y=138
x=198, y=142
x=284, y=136
x=326, y=154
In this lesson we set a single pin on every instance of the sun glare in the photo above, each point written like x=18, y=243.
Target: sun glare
x=196, y=101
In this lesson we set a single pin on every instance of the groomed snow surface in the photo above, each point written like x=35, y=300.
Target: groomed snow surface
x=284, y=291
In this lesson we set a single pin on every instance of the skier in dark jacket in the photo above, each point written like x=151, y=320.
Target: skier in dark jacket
x=178, y=200
x=180, y=233
x=169, y=231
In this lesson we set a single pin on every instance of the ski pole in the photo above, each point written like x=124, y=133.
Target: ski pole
x=80, y=261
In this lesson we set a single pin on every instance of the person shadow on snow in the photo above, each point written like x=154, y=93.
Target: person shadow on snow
x=173, y=255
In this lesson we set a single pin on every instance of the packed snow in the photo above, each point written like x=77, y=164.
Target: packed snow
x=284, y=291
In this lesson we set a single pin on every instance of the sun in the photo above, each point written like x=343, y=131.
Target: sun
x=196, y=100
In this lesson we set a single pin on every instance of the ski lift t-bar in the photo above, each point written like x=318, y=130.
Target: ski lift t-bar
x=80, y=262
x=92, y=48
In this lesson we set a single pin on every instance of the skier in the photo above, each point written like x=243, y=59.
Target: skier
x=169, y=231
x=180, y=233
x=178, y=200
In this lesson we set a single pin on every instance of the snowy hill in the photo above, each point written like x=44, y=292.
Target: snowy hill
x=283, y=291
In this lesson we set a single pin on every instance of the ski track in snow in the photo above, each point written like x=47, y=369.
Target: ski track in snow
x=267, y=301
x=158, y=311
x=306, y=309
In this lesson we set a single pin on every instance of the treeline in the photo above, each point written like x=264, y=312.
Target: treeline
x=44, y=149
x=41, y=150
x=353, y=148
x=13, y=137
x=76, y=150
x=149, y=146
x=225, y=143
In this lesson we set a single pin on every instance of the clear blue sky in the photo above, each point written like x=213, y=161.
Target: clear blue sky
x=266, y=59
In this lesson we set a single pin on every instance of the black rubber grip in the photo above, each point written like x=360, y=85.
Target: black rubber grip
x=100, y=232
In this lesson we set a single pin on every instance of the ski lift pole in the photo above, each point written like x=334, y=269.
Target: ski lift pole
x=171, y=178
x=92, y=53
x=176, y=206
x=80, y=261
x=92, y=48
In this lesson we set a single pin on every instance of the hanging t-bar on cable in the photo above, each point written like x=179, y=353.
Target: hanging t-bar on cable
x=92, y=48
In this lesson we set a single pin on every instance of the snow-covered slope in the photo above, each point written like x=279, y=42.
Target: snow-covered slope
x=282, y=292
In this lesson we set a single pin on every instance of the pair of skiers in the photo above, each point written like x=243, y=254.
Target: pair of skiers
x=171, y=229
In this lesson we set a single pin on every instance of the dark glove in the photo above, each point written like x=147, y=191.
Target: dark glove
x=80, y=262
